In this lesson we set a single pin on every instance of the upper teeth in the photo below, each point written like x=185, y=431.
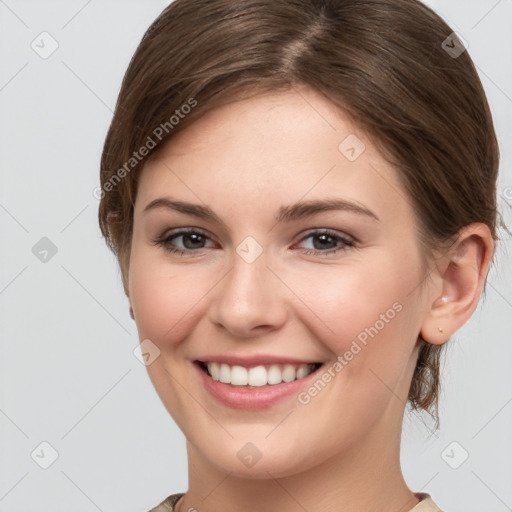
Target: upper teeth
x=258, y=375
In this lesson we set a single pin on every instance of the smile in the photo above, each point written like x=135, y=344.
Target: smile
x=261, y=383
x=257, y=376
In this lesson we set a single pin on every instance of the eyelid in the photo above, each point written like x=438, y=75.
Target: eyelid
x=329, y=232
x=345, y=241
x=177, y=232
x=187, y=229
x=313, y=231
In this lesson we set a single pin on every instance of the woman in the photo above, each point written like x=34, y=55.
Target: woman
x=301, y=195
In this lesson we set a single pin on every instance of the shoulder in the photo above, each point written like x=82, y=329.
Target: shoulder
x=426, y=504
x=168, y=504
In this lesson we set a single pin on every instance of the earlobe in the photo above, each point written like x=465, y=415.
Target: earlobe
x=462, y=273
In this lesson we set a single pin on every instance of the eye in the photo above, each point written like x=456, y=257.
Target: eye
x=191, y=240
x=327, y=242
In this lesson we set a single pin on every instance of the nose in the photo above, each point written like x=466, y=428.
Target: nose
x=250, y=300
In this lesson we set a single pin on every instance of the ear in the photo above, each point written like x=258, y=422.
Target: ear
x=461, y=274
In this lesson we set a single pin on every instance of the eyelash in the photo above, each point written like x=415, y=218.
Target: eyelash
x=165, y=241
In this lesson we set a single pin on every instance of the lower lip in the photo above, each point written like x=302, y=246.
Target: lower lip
x=238, y=397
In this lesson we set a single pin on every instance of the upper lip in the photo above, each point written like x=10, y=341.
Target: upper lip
x=255, y=360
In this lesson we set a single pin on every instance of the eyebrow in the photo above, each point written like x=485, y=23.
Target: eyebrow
x=297, y=211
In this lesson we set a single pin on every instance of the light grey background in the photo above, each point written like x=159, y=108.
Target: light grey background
x=68, y=374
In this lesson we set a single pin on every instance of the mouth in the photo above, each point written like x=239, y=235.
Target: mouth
x=257, y=376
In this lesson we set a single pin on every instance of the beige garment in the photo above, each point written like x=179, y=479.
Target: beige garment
x=426, y=504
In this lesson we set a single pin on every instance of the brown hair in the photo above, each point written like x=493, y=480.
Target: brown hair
x=393, y=66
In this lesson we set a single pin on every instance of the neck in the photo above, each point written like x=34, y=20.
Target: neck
x=366, y=477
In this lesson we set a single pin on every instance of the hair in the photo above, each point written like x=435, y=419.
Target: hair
x=386, y=64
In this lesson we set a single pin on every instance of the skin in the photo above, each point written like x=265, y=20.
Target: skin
x=245, y=160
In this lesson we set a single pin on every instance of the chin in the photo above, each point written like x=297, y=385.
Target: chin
x=253, y=460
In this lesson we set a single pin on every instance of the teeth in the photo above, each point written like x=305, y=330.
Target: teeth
x=301, y=372
x=238, y=375
x=274, y=375
x=258, y=375
x=225, y=373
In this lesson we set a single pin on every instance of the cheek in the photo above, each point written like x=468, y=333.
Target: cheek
x=166, y=299
x=365, y=316
x=368, y=318
x=339, y=303
x=357, y=301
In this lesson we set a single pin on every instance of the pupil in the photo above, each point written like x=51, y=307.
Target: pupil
x=192, y=236
x=323, y=238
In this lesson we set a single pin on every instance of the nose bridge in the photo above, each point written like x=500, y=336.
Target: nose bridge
x=247, y=283
x=249, y=294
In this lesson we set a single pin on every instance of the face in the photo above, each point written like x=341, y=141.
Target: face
x=275, y=265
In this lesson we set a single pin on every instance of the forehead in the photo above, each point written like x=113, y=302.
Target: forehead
x=274, y=119
x=273, y=148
